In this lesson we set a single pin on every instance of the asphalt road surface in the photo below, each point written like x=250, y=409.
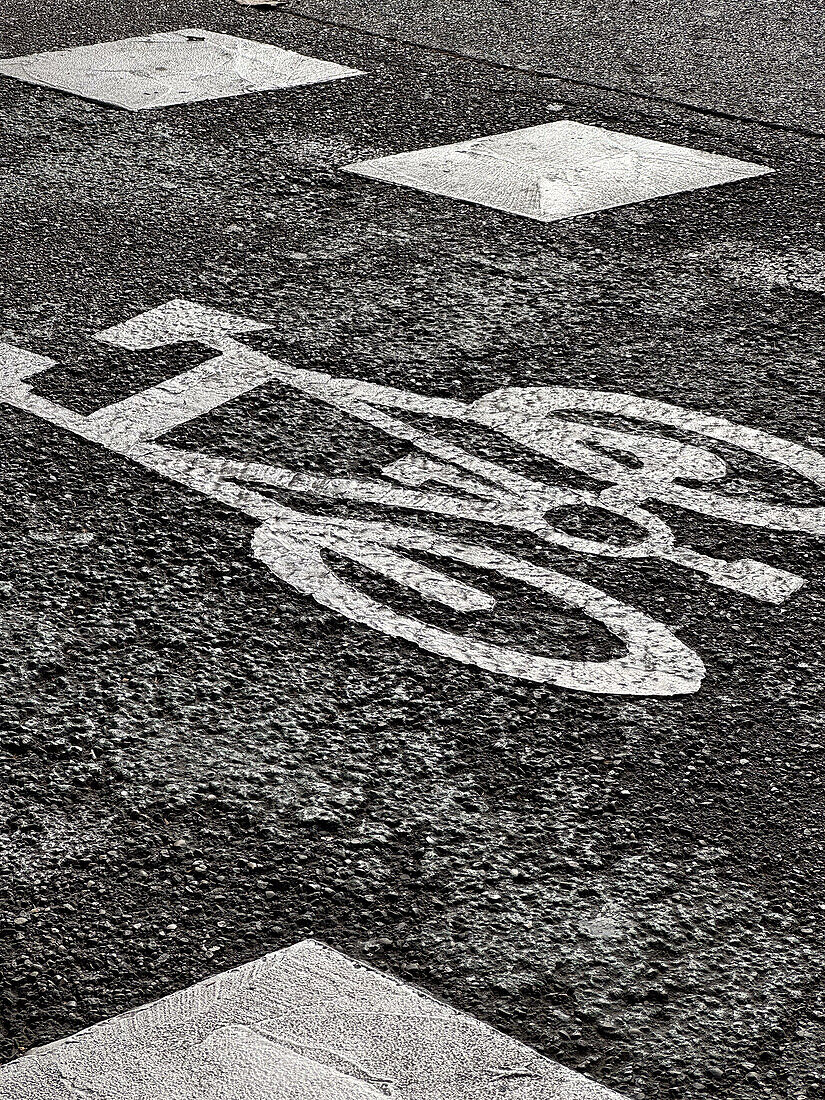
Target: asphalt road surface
x=201, y=764
x=759, y=58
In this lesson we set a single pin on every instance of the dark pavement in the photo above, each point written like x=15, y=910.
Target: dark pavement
x=759, y=58
x=200, y=765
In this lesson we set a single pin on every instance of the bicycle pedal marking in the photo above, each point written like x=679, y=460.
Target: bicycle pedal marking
x=440, y=478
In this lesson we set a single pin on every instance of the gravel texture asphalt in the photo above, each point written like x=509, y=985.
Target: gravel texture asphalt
x=199, y=765
x=754, y=57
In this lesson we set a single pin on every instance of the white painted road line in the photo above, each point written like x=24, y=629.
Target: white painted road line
x=558, y=170
x=161, y=70
x=305, y=1023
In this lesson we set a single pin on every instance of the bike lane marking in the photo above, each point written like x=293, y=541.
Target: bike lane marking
x=557, y=170
x=304, y=1023
x=294, y=544
x=170, y=68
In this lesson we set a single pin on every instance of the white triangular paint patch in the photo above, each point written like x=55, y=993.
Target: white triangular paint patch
x=161, y=70
x=558, y=170
x=305, y=1023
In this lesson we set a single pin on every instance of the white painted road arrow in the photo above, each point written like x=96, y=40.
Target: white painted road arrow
x=305, y=1023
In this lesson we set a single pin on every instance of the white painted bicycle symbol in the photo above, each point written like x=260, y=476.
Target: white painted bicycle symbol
x=443, y=479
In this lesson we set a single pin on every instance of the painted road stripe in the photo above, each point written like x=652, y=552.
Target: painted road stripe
x=305, y=1023
x=558, y=170
x=161, y=70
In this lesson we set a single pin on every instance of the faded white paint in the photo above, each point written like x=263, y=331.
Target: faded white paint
x=305, y=1023
x=161, y=70
x=439, y=478
x=557, y=170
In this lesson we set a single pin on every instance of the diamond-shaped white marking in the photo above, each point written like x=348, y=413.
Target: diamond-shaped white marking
x=558, y=170
x=306, y=1023
x=161, y=70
